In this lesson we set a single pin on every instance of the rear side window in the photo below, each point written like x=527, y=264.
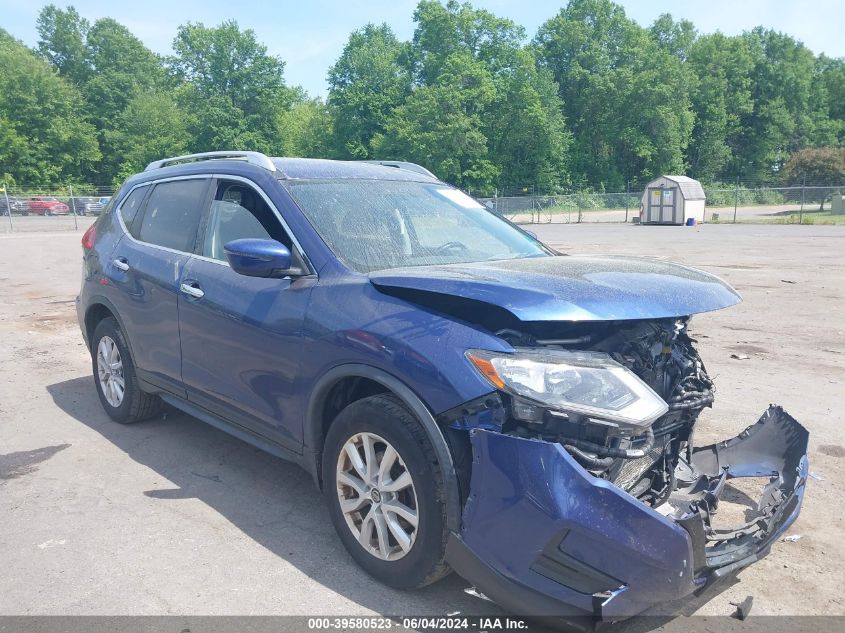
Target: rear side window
x=172, y=214
x=130, y=206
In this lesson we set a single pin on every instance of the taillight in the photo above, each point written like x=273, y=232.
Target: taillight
x=88, y=237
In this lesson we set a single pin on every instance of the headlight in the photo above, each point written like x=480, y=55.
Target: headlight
x=589, y=383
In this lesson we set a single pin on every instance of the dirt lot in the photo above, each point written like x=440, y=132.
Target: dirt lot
x=174, y=517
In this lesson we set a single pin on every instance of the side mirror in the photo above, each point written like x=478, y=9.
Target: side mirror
x=260, y=258
x=532, y=234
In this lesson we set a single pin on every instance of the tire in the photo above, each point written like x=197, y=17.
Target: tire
x=385, y=418
x=134, y=405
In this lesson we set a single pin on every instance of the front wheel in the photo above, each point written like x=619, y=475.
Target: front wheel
x=115, y=378
x=385, y=492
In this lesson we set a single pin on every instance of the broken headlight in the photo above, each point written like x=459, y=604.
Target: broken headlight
x=587, y=383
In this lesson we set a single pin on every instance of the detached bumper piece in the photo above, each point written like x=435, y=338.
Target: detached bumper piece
x=543, y=537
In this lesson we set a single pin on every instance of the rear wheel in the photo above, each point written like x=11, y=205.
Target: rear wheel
x=115, y=378
x=385, y=492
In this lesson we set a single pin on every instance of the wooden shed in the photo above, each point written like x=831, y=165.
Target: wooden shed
x=672, y=200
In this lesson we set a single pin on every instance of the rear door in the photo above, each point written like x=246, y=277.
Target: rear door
x=147, y=268
x=241, y=336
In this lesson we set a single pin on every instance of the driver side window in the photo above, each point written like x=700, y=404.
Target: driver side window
x=238, y=212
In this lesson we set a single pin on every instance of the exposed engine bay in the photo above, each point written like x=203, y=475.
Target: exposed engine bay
x=642, y=461
x=662, y=354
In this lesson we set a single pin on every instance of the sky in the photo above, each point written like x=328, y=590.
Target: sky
x=309, y=35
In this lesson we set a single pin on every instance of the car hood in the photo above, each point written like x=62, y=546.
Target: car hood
x=570, y=287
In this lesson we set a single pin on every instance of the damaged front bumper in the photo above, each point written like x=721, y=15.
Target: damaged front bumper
x=543, y=537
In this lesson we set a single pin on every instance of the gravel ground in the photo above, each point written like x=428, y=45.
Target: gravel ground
x=174, y=517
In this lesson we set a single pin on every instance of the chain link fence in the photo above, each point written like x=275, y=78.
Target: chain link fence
x=25, y=208
x=566, y=208
x=741, y=203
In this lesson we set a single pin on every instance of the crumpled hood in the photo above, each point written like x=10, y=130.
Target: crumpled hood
x=572, y=287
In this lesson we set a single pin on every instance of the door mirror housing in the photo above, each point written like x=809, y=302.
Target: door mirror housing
x=260, y=258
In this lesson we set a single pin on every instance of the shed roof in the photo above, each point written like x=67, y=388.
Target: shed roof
x=690, y=188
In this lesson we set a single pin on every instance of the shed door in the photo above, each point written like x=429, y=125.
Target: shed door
x=661, y=205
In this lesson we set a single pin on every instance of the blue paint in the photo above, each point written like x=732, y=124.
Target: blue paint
x=258, y=258
x=573, y=288
x=528, y=493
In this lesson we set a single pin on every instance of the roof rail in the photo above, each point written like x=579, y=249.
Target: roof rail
x=253, y=158
x=400, y=164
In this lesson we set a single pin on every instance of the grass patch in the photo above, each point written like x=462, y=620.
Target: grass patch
x=791, y=217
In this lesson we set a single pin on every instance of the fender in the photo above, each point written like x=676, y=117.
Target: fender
x=313, y=434
x=103, y=301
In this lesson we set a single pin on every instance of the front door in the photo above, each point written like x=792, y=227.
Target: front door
x=241, y=336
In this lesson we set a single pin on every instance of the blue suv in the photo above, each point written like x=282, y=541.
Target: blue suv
x=466, y=398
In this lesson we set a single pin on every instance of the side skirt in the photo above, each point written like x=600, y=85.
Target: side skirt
x=234, y=430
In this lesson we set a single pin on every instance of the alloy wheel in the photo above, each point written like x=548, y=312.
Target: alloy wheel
x=377, y=496
x=110, y=371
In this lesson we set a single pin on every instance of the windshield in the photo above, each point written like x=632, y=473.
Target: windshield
x=377, y=224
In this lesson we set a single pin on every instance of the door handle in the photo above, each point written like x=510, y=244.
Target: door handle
x=121, y=264
x=192, y=290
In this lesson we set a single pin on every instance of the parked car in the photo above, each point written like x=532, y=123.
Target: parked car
x=93, y=206
x=465, y=397
x=16, y=204
x=47, y=205
x=100, y=204
x=85, y=205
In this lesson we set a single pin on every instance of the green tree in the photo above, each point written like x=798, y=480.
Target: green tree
x=517, y=126
x=62, y=34
x=721, y=98
x=821, y=166
x=828, y=93
x=676, y=38
x=785, y=116
x=233, y=90
x=121, y=67
x=625, y=98
x=122, y=70
x=439, y=126
x=529, y=141
x=445, y=30
x=45, y=137
x=366, y=83
x=151, y=126
x=305, y=129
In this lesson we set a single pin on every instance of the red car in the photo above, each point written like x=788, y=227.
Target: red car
x=47, y=205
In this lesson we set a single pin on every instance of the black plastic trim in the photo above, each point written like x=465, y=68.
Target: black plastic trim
x=233, y=429
x=566, y=570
